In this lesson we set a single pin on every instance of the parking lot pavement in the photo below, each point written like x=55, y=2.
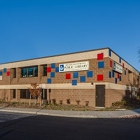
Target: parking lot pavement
x=7, y=116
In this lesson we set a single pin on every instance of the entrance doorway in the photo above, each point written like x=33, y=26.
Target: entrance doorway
x=100, y=95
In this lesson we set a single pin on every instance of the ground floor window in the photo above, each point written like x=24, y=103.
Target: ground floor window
x=44, y=94
x=24, y=94
x=14, y=93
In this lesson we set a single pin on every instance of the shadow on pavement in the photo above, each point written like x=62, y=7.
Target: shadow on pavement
x=53, y=128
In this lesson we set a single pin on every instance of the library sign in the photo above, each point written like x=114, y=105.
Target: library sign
x=117, y=68
x=77, y=66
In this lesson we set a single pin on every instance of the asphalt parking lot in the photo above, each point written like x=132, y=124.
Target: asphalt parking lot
x=27, y=127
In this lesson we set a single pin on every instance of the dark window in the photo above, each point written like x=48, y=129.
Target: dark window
x=44, y=94
x=44, y=70
x=109, y=52
x=109, y=74
x=120, y=59
x=14, y=93
x=29, y=72
x=24, y=72
x=14, y=73
x=24, y=94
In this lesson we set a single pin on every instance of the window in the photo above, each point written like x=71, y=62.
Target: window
x=24, y=94
x=14, y=72
x=14, y=93
x=109, y=74
x=29, y=72
x=44, y=70
x=109, y=52
x=120, y=59
x=44, y=94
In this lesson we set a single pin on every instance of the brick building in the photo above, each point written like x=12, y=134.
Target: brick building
x=94, y=77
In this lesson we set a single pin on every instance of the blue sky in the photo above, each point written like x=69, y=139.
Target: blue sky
x=38, y=28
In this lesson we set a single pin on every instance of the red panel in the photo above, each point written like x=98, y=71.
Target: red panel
x=100, y=77
x=123, y=65
x=48, y=69
x=8, y=73
x=100, y=56
x=110, y=63
x=68, y=76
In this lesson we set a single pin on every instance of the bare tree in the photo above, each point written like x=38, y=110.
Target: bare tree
x=35, y=92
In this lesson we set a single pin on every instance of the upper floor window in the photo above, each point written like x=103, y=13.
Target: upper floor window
x=14, y=72
x=29, y=72
x=44, y=70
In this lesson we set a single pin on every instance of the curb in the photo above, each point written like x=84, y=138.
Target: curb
x=49, y=114
x=62, y=114
x=130, y=116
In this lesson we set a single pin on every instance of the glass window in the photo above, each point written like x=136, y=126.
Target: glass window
x=14, y=93
x=24, y=94
x=35, y=71
x=44, y=70
x=14, y=73
x=24, y=72
x=29, y=72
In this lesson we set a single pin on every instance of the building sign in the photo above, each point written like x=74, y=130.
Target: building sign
x=77, y=66
x=117, y=68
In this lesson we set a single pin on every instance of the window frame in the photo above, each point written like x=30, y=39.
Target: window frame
x=27, y=72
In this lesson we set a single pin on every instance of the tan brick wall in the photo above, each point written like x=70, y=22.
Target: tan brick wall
x=73, y=95
x=113, y=95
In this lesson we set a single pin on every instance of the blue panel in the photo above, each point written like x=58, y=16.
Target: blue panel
x=75, y=75
x=57, y=69
x=89, y=73
x=49, y=80
x=116, y=80
x=101, y=64
x=109, y=74
x=0, y=73
x=52, y=74
x=112, y=73
x=52, y=65
x=74, y=82
x=82, y=79
x=4, y=70
x=109, y=52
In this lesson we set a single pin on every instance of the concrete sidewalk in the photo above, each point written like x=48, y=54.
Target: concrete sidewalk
x=79, y=114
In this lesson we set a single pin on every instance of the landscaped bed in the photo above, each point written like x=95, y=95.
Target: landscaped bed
x=124, y=104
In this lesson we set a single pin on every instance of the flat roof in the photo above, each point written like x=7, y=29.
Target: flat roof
x=69, y=54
